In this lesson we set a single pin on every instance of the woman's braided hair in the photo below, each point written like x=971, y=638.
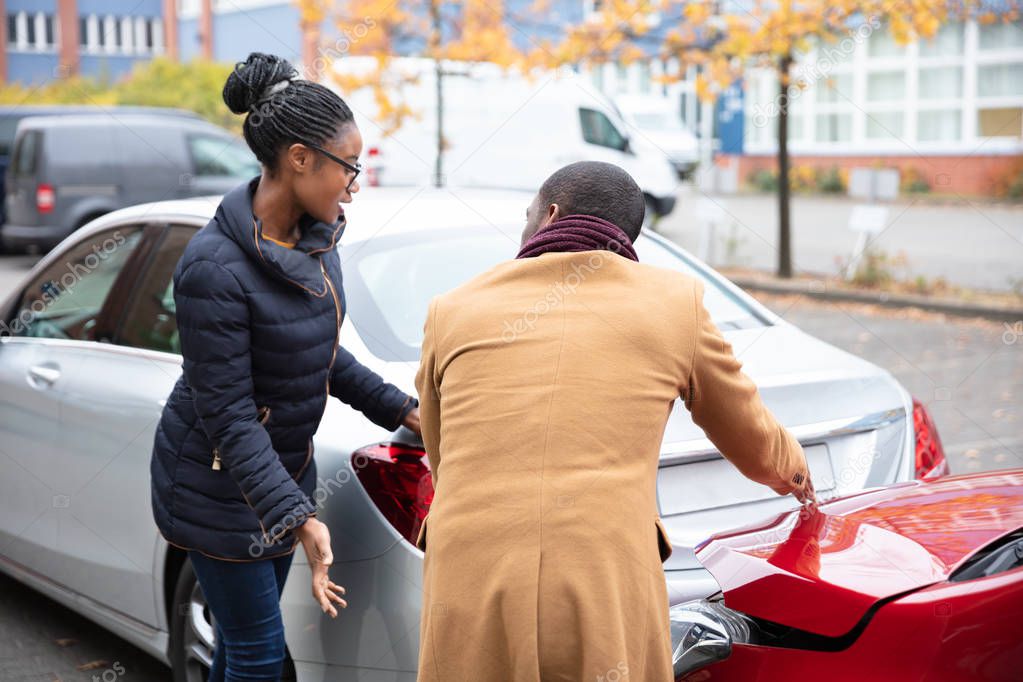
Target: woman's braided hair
x=280, y=109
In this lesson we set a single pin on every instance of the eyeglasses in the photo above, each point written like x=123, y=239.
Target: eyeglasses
x=354, y=169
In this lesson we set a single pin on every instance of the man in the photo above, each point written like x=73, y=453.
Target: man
x=545, y=387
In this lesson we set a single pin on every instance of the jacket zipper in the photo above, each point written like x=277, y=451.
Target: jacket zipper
x=333, y=356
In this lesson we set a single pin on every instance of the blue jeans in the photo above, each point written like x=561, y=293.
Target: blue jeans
x=244, y=598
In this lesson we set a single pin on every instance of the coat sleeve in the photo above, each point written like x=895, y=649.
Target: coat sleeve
x=355, y=384
x=428, y=387
x=726, y=404
x=213, y=323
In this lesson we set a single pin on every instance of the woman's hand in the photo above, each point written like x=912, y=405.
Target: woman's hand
x=411, y=422
x=315, y=537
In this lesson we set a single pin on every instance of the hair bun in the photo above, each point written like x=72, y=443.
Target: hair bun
x=251, y=78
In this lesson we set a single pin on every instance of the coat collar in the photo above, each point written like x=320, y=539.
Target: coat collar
x=299, y=266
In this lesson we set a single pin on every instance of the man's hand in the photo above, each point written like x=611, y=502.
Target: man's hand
x=411, y=422
x=805, y=492
x=315, y=538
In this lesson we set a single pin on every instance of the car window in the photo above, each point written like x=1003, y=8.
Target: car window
x=598, y=129
x=389, y=282
x=27, y=152
x=65, y=300
x=219, y=156
x=150, y=319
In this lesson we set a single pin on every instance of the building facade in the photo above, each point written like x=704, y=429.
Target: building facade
x=949, y=109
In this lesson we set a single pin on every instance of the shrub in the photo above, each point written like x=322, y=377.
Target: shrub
x=764, y=180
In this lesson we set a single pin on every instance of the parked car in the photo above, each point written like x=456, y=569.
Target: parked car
x=917, y=581
x=11, y=115
x=90, y=352
x=655, y=122
x=68, y=170
x=504, y=130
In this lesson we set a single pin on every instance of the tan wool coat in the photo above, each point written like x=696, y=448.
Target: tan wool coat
x=545, y=387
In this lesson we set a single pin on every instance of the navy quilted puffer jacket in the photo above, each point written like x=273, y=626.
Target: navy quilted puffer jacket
x=232, y=467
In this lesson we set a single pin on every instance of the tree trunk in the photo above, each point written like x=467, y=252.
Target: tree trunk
x=784, y=223
x=435, y=40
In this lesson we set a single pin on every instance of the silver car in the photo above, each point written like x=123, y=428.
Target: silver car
x=90, y=352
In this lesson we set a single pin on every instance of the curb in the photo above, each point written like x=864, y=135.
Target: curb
x=819, y=290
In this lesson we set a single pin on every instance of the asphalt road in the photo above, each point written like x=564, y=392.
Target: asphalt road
x=969, y=372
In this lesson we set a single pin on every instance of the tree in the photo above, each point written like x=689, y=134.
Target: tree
x=161, y=82
x=759, y=33
x=471, y=30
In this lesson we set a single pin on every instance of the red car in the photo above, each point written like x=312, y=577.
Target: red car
x=919, y=581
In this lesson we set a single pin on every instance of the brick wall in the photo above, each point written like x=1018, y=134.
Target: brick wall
x=976, y=174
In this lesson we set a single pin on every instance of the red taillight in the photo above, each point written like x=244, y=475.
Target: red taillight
x=372, y=167
x=46, y=198
x=930, y=455
x=398, y=480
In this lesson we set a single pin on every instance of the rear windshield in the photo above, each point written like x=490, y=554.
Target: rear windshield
x=390, y=281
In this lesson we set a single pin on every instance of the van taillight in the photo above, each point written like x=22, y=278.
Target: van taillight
x=46, y=198
x=373, y=167
x=930, y=455
x=398, y=480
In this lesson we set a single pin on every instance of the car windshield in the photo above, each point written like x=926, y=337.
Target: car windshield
x=389, y=282
x=656, y=120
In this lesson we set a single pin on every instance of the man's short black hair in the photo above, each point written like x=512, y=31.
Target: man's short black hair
x=598, y=189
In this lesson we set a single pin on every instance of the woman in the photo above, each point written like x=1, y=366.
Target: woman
x=259, y=307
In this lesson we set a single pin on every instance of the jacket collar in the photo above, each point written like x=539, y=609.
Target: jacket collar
x=299, y=266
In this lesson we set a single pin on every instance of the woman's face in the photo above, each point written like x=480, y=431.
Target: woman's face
x=323, y=189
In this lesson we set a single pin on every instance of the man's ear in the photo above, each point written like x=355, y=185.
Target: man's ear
x=553, y=213
x=299, y=158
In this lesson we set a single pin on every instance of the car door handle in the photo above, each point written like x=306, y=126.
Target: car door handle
x=41, y=375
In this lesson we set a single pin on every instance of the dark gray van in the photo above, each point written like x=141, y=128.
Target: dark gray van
x=11, y=115
x=67, y=170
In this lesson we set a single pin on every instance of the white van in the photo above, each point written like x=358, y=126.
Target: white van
x=502, y=130
x=656, y=121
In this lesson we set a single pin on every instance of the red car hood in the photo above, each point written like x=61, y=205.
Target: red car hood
x=821, y=570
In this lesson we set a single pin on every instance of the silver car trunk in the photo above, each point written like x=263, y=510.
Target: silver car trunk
x=850, y=416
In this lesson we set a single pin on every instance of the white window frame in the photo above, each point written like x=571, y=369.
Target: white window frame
x=110, y=28
x=158, y=35
x=126, y=25
x=39, y=19
x=139, y=27
x=21, y=31
x=92, y=33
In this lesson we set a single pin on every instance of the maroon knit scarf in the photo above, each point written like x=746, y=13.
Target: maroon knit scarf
x=579, y=233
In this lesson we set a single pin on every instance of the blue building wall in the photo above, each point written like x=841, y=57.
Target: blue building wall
x=31, y=68
x=31, y=6
x=274, y=29
x=35, y=67
x=120, y=8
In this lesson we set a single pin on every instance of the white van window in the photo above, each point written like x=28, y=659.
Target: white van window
x=221, y=156
x=598, y=129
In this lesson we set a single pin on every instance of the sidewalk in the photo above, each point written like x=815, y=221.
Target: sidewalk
x=968, y=243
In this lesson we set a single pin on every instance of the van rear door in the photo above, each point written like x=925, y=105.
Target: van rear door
x=20, y=202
